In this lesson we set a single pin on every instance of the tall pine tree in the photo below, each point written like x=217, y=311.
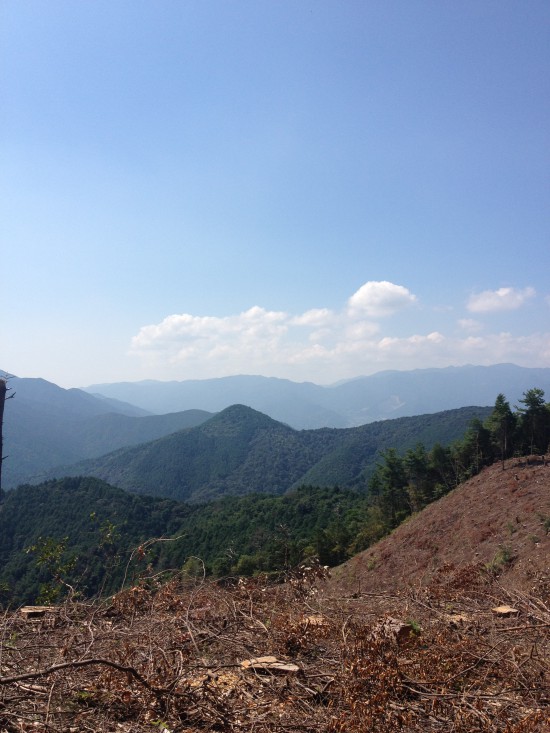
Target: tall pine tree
x=534, y=422
x=501, y=424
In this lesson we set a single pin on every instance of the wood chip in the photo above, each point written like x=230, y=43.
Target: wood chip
x=31, y=612
x=457, y=618
x=315, y=620
x=271, y=664
x=505, y=611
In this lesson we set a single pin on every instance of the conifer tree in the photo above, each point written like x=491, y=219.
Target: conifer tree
x=501, y=423
x=534, y=421
x=394, y=498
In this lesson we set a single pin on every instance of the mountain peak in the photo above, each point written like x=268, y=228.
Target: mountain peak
x=242, y=416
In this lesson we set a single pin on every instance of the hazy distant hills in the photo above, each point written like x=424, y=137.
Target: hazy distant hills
x=384, y=395
x=45, y=426
x=241, y=451
x=68, y=402
x=296, y=403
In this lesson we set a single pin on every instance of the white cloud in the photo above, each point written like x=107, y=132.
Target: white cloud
x=503, y=299
x=358, y=330
x=320, y=344
x=470, y=324
x=378, y=299
x=314, y=317
x=437, y=350
x=255, y=323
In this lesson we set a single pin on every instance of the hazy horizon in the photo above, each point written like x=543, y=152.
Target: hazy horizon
x=314, y=191
x=247, y=376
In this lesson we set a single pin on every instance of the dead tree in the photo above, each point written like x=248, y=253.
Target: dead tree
x=4, y=389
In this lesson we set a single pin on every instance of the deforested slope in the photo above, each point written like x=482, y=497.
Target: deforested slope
x=497, y=522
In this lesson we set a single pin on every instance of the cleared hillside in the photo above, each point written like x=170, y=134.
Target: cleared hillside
x=191, y=655
x=442, y=626
x=497, y=522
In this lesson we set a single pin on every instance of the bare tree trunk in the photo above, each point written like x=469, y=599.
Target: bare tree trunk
x=3, y=390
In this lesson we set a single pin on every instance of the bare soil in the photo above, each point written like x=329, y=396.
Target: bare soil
x=498, y=521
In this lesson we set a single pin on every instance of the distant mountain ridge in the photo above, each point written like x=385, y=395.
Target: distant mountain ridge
x=241, y=451
x=381, y=396
x=46, y=425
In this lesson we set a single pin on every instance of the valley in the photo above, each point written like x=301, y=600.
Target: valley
x=244, y=575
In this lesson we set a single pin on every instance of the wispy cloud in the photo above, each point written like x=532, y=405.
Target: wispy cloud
x=470, y=325
x=503, y=299
x=324, y=345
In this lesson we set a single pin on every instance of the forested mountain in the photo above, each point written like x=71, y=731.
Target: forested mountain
x=61, y=402
x=80, y=519
x=241, y=451
x=45, y=426
x=381, y=396
x=298, y=404
x=83, y=533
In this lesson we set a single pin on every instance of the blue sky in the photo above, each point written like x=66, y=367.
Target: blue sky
x=297, y=188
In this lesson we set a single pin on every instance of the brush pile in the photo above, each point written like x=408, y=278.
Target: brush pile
x=247, y=655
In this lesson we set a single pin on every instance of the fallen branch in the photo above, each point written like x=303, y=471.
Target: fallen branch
x=522, y=628
x=80, y=663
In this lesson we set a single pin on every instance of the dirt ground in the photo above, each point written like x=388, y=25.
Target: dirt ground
x=499, y=520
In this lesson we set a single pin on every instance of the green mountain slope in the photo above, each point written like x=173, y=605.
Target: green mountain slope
x=46, y=426
x=100, y=526
x=78, y=509
x=241, y=451
x=105, y=433
x=295, y=403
